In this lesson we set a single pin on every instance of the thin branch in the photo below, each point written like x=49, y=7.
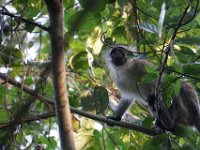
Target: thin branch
x=116, y=123
x=131, y=126
x=151, y=47
x=194, y=15
x=25, y=20
x=26, y=89
x=171, y=82
x=112, y=139
x=170, y=48
x=102, y=38
x=147, y=131
x=147, y=14
x=183, y=74
x=136, y=21
x=27, y=120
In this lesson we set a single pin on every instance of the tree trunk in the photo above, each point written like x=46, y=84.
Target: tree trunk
x=56, y=16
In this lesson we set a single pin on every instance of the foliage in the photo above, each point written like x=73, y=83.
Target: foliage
x=25, y=56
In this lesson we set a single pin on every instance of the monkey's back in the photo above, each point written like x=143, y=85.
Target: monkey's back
x=186, y=106
x=128, y=77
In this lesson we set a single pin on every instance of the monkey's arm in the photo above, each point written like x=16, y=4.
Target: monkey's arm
x=123, y=105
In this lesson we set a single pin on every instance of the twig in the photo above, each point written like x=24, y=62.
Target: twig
x=102, y=38
x=183, y=74
x=136, y=21
x=26, y=21
x=27, y=120
x=170, y=48
x=194, y=15
x=26, y=89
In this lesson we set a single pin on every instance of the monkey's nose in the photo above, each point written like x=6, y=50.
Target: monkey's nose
x=119, y=61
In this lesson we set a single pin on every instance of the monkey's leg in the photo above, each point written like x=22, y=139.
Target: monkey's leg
x=162, y=114
x=197, y=124
x=165, y=118
x=123, y=105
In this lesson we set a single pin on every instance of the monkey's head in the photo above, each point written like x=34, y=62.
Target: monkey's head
x=117, y=55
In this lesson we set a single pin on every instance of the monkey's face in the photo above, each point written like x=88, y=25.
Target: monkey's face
x=117, y=55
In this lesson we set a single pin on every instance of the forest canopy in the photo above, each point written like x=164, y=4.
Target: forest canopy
x=166, y=33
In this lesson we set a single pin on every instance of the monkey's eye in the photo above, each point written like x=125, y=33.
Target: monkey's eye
x=118, y=49
x=122, y=50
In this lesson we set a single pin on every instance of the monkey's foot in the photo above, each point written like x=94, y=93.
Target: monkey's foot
x=114, y=118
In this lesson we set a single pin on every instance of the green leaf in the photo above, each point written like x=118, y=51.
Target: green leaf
x=98, y=101
x=151, y=69
x=161, y=19
x=185, y=54
x=10, y=56
x=68, y=3
x=99, y=72
x=188, y=40
x=198, y=85
x=96, y=134
x=79, y=61
x=29, y=80
x=77, y=45
x=2, y=92
x=188, y=146
x=94, y=40
x=29, y=27
x=171, y=87
x=88, y=103
x=177, y=87
x=155, y=142
x=151, y=74
x=180, y=131
x=148, y=122
x=83, y=21
x=4, y=116
x=93, y=5
x=52, y=143
x=175, y=67
x=192, y=69
x=119, y=33
x=101, y=98
x=122, y=2
x=148, y=27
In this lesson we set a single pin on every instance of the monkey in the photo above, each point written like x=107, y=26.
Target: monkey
x=127, y=73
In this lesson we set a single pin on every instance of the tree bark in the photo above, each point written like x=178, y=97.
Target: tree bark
x=56, y=16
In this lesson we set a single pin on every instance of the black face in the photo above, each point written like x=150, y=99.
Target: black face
x=118, y=56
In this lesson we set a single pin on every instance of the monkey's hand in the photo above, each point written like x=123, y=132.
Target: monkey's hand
x=113, y=118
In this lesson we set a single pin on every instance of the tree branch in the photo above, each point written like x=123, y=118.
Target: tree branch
x=26, y=89
x=163, y=62
x=130, y=126
x=170, y=48
x=25, y=20
x=74, y=110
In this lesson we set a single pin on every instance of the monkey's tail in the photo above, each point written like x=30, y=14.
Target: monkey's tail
x=197, y=124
